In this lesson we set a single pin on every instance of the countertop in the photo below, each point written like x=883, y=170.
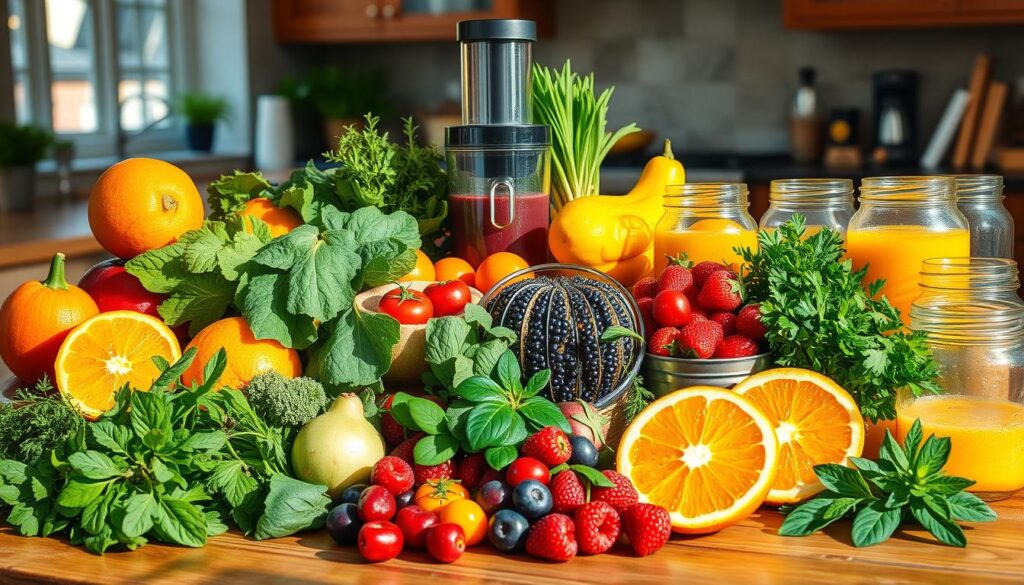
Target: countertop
x=749, y=552
x=35, y=236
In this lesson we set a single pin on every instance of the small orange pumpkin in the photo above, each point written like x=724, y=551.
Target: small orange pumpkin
x=37, y=317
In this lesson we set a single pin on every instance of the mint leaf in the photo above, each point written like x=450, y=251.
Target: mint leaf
x=179, y=522
x=500, y=457
x=933, y=455
x=537, y=382
x=842, y=480
x=913, y=440
x=231, y=479
x=427, y=415
x=893, y=453
x=875, y=523
x=139, y=511
x=481, y=389
x=486, y=356
x=488, y=424
x=543, y=413
x=358, y=350
x=594, y=476
x=457, y=415
x=968, y=507
x=447, y=337
x=809, y=517
x=617, y=332
x=477, y=316
x=262, y=297
x=508, y=371
x=80, y=493
x=434, y=449
x=945, y=530
x=94, y=465
x=947, y=485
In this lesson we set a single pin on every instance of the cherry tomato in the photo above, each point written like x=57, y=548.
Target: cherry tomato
x=424, y=269
x=449, y=297
x=410, y=307
x=434, y=495
x=446, y=542
x=526, y=468
x=470, y=516
x=380, y=540
x=498, y=266
x=672, y=308
x=455, y=269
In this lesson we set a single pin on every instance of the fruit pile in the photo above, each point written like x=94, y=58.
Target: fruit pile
x=550, y=502
x=698, y=312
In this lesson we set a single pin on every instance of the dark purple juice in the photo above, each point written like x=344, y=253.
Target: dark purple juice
x=476, y=237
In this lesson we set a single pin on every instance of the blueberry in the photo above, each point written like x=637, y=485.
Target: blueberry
x=351, y=493
x=343, y=523
x=507, y=530
x=404, y=499
x=583, y=451
x=494, y=495
x=532, y=499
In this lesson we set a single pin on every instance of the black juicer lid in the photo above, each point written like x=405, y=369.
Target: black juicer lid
x=483, y=135
x=497, y=29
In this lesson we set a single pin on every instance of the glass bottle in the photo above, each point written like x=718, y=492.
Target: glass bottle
x=980, y=199
x=822, y=202
x=805, y=119
x=975, y=324
x=901, y=222
x=705, y=221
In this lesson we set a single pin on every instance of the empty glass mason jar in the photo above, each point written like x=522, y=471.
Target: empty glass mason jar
x=975, y=325
x=980, y=199
x=822, y=202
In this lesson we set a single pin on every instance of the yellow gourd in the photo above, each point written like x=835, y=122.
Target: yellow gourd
x=615, y=233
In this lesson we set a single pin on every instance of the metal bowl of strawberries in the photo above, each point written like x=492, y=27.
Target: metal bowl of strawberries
x=699, y=330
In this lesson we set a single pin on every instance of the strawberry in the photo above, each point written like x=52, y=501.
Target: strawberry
x=727, y=321
x=737, y=346
x=425, y=473
x=700, y=339
x=597, y=527
x=648, y=527
x=721, y=292
x=646, y=306
x=404, y=449
x=697, y=315
x=392, y=473
x=567, y=492
x=663, y=341
x=548, y=445
x=553, y=537
x=392, y=432
x=675, y=277
x=703, y=270
x=470, y=470
x=645, y=287
x=748, y=322
x=620, y=497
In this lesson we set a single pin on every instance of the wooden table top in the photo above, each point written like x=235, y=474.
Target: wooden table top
x=35, y=236
x=748, y=552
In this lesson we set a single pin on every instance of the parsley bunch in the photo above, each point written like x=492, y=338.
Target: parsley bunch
x=820, y=317
x=905, y=481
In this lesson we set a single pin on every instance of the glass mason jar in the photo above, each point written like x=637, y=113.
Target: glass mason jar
x=822, y=202
x=975, y=324
x=980, y=199
x=901, y=222
x=705, y=221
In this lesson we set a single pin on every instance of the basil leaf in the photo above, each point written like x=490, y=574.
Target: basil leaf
x=808, y=518
x=488, y=424
x=843, y=480
x=891, y=452
x=400, y=411
x=537, y=382
x=179, y=522
x=517, y=432
x=594, y=476
x=933, y=455
x=945, y=530
x=947, y=485
x=543, y=413
x=968, y=507
x=139, y=511
x=481, y=389
x=427, y=415
x=875, y=523
x=291, y=506
x=434, y=449
x=79, y=494
x=617, y=332
x=94, y=465
x=500, y=457
x=457, y=415
x=508, y=371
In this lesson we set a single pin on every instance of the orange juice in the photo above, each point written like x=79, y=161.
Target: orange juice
x=987, y=438
x=894, y=253
x=707, y=239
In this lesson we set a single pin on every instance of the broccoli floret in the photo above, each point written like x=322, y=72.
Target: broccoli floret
x=284, y=402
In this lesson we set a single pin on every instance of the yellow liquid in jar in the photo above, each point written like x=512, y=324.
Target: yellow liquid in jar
x=987, y=438
x=707, y=239
x=895, y=253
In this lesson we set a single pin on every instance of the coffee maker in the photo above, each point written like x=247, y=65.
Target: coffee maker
x=895, y=116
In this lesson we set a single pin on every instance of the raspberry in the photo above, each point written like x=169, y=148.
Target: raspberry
x=620, y=497
x=392, y=473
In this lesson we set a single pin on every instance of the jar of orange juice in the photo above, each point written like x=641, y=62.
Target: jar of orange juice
x=901, y=222
x=975, y=324
x=705, y=221
x=822, y=202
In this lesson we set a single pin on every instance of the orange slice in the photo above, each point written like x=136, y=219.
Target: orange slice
x=816, y=421
x=705, y=454
x=107, y=351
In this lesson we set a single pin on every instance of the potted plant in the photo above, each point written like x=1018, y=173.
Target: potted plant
x=201, y=112
x=21, y=147
x=341, y=96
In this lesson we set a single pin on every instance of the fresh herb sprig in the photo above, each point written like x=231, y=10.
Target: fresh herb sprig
x=37, y=421
x=820, y=317
x=906, y=482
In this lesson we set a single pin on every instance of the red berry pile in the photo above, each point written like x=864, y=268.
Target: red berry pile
x=698, y=312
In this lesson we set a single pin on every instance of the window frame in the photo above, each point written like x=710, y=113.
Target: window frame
x=104, y=141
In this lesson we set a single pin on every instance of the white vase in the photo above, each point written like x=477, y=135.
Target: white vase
x=275, y=134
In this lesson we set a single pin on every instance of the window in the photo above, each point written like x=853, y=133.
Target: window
x=100, y=73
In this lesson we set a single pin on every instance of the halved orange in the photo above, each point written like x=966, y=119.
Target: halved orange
x=107, y=351
x=816, y=421
x=705, y=454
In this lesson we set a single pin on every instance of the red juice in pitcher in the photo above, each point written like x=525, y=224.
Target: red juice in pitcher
x=520, y=227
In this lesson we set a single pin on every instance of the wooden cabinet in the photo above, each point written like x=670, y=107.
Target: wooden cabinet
x=866, y=14
x=374, y=21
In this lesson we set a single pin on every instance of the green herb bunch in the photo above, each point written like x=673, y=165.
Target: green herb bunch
x=906, y=482
x=37, y=421
x=820, y=317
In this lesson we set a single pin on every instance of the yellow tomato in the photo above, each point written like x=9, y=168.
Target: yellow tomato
x=455, y=269
x=424, y=269
x=498, y=266
x=470, y=516
x=438, y=493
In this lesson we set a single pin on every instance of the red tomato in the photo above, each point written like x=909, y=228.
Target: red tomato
x=671, y=308
x=380, y=540
x=410, y=307
x=449, y=297
x=526, y=468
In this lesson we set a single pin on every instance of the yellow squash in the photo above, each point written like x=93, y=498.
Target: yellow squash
x=615, y=233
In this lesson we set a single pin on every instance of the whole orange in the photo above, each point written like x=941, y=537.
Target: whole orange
x=280, y=219
x=455, y=269
x=247, y=356
x=498, y=266
x=424, y=269
x=36, y=318
x=470, y=516
x=140, y=204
